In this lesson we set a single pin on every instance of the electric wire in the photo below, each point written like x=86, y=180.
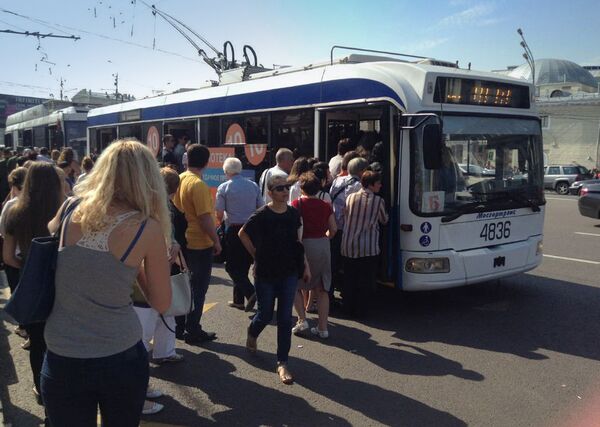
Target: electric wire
x=103, y=36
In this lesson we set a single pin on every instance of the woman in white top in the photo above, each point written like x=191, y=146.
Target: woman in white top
x=300, y=166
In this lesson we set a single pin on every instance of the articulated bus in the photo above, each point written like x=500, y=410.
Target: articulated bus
x=460, y=150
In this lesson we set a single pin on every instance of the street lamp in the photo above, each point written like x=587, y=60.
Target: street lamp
x=528, y=57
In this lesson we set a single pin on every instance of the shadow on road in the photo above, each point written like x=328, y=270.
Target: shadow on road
x=249, y=403
x=384, y=406
x=405, y=359
x=521, y=316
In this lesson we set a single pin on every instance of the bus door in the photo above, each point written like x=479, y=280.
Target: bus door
x=370, y=129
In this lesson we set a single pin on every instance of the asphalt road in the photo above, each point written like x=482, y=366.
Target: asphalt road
x=521, y=351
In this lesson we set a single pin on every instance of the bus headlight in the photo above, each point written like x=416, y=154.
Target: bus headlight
x=540, y=248
x=428, y=265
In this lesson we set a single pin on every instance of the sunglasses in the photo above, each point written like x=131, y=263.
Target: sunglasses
x=280, y=188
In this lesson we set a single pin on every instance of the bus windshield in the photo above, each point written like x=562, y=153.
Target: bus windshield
x=487, y=163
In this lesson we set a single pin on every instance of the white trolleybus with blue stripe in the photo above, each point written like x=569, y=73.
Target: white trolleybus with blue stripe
x=460, y=151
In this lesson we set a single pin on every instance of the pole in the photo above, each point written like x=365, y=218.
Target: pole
x=598, y=148
x=116, y=76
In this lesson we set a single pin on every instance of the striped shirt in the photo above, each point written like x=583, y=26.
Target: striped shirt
x=364, y=212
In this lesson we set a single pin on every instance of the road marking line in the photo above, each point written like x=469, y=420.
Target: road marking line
x=560, y=198
x=208, y=306
x=585, y=261
x=587, y=234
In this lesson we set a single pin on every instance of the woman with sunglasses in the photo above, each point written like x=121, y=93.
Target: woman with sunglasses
x=270, y=236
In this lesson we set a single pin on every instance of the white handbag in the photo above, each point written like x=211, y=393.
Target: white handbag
x=181, y=291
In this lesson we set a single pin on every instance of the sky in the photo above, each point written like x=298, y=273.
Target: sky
x=150, y=56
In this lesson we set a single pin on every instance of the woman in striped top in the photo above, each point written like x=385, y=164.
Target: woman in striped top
x=360, y=242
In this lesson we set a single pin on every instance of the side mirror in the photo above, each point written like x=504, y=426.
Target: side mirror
x=432, y=146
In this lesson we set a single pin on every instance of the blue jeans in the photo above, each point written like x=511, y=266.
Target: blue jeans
x=200, y=264
x=266, y=292
x=72, y=389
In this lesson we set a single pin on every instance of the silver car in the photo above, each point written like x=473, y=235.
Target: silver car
x=560, y=177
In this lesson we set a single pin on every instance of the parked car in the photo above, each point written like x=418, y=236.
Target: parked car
x=560, y=177
x=577, y=185
x=476, y=170
x=589, y=201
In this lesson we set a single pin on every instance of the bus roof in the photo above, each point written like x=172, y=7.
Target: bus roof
x=399, y=82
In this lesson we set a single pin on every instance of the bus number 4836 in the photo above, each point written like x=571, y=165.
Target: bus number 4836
x=495, y=231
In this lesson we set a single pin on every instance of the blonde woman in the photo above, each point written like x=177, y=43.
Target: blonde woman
x=95, y=354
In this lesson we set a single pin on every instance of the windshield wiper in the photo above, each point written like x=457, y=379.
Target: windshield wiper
x=517, y=197
x=463, y=209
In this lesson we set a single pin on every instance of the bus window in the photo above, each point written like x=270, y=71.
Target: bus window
x=27, y=138
x=8, y=140
x=254, y=130
x=181, y=128
x=131, y=131
x=294, y=130
x=102, y=139
x=210, y=132
x=39, y=136
x=53, y=141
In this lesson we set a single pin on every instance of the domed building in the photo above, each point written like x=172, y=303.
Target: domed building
x=557, y=77
x=568, y=100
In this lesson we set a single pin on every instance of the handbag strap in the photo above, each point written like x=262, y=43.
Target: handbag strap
x=65, y=218
x=182, y=262
x=134, y=241
x=165, y=322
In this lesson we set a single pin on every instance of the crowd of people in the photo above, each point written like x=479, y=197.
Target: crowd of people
x=307, y=228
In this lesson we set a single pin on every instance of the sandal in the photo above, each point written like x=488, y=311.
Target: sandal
x=284, y=374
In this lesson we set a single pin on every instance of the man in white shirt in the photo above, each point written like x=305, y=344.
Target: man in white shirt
x=284, y=159
x=335, y=164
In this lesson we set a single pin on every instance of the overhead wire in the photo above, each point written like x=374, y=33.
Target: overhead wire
x=103, y=36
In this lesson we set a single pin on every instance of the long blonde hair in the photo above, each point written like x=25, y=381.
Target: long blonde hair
x=125, y=173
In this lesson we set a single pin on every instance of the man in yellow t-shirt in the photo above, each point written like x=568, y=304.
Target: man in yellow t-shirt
x=193, y=198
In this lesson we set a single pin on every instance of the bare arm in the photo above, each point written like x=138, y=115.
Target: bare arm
x=155, y=278
x=9, y=248
x=55, y=222
x=331, y=226
x=208, y=226
x=220, y=215
x=383, y=216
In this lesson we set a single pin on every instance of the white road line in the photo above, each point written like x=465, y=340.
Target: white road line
x=587, y=234
x=563, y=199
x=585, y=261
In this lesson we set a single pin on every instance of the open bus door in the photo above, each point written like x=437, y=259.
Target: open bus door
x=370, y=129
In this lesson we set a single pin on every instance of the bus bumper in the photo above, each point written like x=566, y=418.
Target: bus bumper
x=474, y=266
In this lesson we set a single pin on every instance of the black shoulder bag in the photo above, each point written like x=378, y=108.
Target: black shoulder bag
x=33, y=298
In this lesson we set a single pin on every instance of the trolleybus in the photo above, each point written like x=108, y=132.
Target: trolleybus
x=435, y=127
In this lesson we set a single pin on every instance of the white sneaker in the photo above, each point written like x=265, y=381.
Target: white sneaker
x=153, y=393
x=151, y=408
x=301, y=326
x=321, y=334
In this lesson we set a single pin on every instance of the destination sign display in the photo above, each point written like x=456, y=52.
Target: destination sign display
x=450, y=90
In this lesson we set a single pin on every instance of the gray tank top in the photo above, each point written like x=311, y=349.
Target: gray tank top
x=93, y=314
